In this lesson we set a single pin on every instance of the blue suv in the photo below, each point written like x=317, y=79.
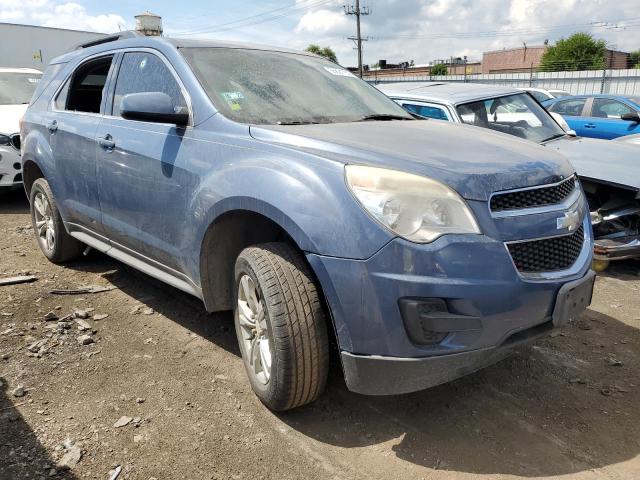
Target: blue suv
x=279, y=185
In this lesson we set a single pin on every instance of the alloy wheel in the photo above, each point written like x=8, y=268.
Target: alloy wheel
x=45, y=227
x=255, y=332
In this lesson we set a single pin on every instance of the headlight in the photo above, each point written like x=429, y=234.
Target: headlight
x=413, y=207
x=5, y=140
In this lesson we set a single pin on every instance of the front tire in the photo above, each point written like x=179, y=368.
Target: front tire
x=54, y=241
x=281, y=326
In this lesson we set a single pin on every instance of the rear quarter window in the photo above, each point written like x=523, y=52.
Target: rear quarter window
x=49, y=74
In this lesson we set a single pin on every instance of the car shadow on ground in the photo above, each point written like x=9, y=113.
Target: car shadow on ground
x=21, y=454
x=14, y=202
x=552, y=409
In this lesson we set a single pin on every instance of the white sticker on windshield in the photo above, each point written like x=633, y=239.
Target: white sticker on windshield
x=341, y=72
x=33, y=80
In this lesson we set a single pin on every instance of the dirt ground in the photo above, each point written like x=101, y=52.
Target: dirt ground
x=567, y=407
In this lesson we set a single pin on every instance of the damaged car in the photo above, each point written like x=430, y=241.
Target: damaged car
x=279, y=185
x=609, y=171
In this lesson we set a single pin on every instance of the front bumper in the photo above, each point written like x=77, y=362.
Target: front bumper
x=10, y=167
x=491, y=306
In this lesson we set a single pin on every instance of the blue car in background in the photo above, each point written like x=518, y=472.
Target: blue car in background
x=599, y=116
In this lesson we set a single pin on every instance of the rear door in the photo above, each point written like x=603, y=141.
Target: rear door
x=142, y=179
x=573, y=111
x=605, y=121
x=71, y=123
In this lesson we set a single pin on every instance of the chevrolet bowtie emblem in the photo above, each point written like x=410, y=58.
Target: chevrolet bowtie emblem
x=570, y=221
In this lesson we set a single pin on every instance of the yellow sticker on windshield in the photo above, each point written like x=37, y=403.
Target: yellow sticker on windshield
x=233, y=99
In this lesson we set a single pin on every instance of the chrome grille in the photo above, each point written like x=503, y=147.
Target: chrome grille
x=547, y=255
x=534, y=197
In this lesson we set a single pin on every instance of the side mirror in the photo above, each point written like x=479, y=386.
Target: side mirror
x=153, y=107
x=631, y=117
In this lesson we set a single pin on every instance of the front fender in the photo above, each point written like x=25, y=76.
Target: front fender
x=304, y=194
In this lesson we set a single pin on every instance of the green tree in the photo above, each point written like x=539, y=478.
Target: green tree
x=439, y=69
x=578, y=52
x=635, y=59
x=326, y=52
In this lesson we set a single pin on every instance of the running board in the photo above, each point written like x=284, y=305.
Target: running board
x=144, y=267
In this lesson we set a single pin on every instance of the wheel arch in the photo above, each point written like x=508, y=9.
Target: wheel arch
x=237, y=224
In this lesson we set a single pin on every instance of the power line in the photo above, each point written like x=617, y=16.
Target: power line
x=629, y=24
x=267, y=16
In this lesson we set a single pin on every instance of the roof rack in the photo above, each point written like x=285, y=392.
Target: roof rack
x=111, y=38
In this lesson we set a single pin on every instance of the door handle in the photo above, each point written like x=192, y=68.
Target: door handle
x=107, y=142
x=53, y=126
x=589, y=125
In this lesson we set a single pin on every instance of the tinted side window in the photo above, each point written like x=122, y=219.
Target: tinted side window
x=86, y=87
x=145, y=72
x=426, y=111
x=571, y=107
x=606, y=108
x=539, y=96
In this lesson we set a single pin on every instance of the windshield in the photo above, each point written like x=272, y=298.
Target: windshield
x=517, y=115
x=266, y=87
x=17, y=88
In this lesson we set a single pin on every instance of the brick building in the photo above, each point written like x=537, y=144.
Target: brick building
x=522, y=59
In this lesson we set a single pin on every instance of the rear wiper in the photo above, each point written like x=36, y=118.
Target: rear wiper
x=383, y=116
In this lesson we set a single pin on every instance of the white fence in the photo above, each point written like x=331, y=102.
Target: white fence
x=621, y=82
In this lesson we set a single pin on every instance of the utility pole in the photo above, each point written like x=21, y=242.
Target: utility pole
x=358, y=12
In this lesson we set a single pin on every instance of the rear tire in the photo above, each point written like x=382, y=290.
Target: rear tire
x=281, y=326
x=54, y=241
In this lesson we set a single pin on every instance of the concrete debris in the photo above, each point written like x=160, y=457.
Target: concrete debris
x=71, y=458
x=85, y=340
x=82, y=290
x=139, y=400
x=83, y=325
x=615, y=362
x=84, y=314
x=19, y=391
x=51, y=316
x=141, y=309
x=17, y=280
x=100, y=316
x=36, y=347
x=115, y=473
x=122, y=422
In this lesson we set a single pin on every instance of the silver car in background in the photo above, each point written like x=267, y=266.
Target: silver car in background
x=609, y=171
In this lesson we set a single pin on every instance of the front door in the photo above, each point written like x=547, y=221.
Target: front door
x=606, y=121
x=142, y=182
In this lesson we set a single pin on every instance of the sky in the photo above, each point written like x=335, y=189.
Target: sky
x=397, y=30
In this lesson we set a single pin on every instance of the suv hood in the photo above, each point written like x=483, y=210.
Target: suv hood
x=473, y=161
x=611, y=162
x=10, y=118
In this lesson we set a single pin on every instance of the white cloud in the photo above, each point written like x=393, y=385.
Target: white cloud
x=322, y=22
x=425, y=30
x=61, y=15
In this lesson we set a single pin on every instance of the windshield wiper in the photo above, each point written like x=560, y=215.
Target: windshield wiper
x=553, y=137
x=297, y=122
x=383, y=116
